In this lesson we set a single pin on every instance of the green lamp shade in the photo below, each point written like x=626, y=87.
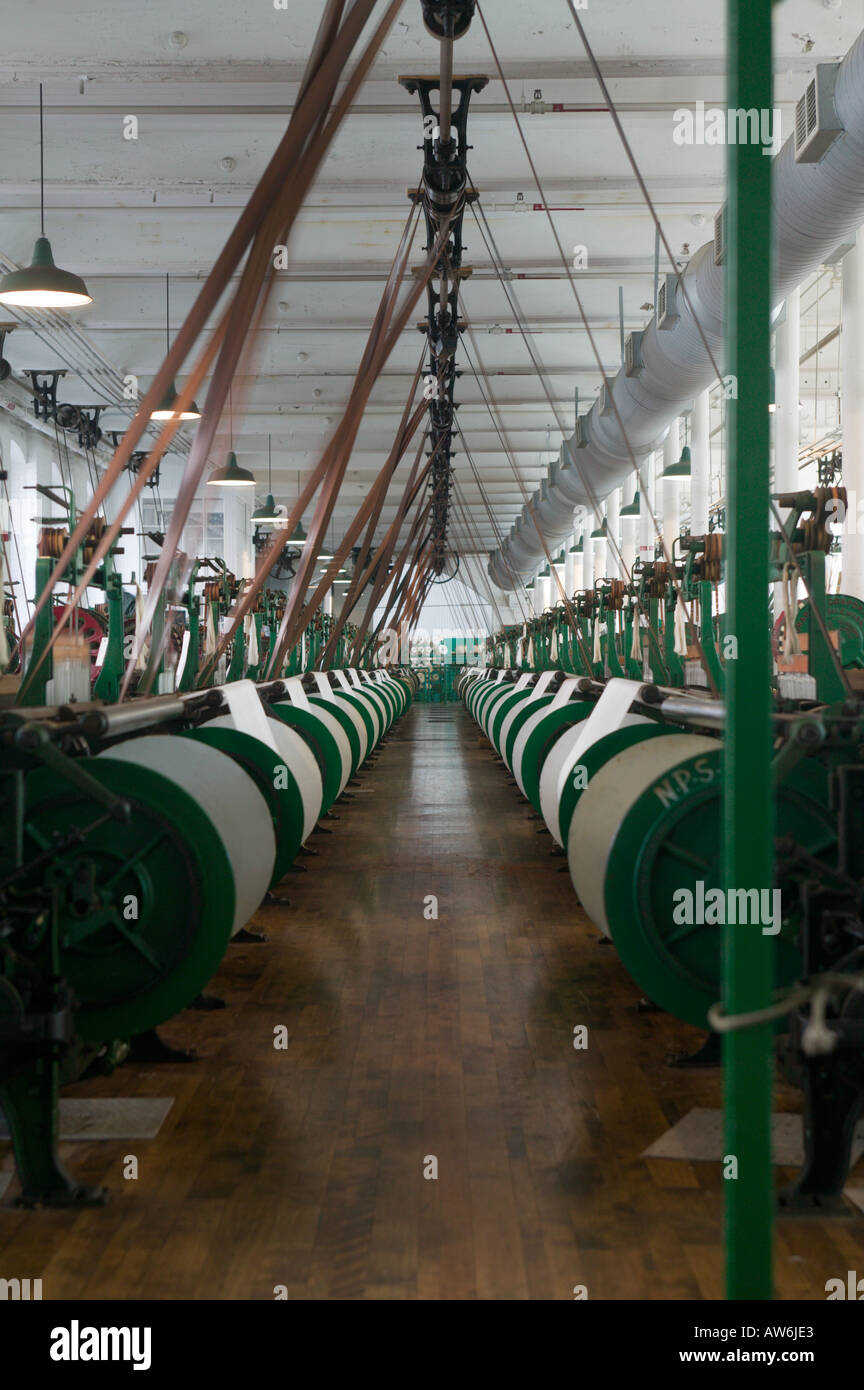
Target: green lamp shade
x=530, y=585
x=42, y=285
x=298, y=535
x=681, y=469
x=231, y=474
x=560, y=560
x=579, y=547
x=599, y=533
x=545, y=573
x=167, y=408
x=269, y=512
x=635, y=507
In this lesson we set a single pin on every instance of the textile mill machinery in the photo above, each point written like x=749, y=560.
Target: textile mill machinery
x=138, y=839
x=616, y=747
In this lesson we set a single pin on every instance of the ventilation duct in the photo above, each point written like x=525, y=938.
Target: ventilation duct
x=817, y=206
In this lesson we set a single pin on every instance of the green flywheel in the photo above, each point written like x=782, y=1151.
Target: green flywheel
x=146, y=906
x=670, y=842
x=844, y=614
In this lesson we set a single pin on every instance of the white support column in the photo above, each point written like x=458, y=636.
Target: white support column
x=578, y=560
x=629, y=529
x=568, y=565
x=852, y=379
x=700, y=465
x=559, y=575
x=671, y=487
x=613, y=544
x=648, y=493
x=787, y=353
x=598, y=553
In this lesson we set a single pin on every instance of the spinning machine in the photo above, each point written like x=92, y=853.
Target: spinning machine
x=628, y=777
x=137, y=842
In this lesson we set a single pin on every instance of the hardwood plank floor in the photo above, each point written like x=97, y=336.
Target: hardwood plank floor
x=411, y=1038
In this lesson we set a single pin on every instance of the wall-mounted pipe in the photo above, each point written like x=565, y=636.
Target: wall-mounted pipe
x=817, y=207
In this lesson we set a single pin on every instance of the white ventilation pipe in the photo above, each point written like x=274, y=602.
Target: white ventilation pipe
x=817, y=207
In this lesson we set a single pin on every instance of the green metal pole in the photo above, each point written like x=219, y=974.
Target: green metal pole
x=748, y=805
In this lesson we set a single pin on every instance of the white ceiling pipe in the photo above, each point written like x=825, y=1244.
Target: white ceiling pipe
x=817, y=207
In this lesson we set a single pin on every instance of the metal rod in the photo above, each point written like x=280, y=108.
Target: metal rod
x=686, y=711
x=621, y=320
x=41, y=164
x=125, y=719
x=748, y=799
x=656, y=267
x=446, y=91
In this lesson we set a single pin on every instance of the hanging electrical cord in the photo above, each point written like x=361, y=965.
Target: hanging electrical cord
x=616, y=119
x=273, y=206
x=505, y=444
x=595, y=349
x=519, y=589
x=471, y=527
x=592, y=495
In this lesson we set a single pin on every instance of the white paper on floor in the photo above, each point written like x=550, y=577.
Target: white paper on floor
x=134, y=1117
x=698, y=1137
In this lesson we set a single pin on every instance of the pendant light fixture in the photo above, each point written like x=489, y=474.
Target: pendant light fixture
x=633, y=508
x=298, y=535
x=681, y=469
x=42, y=285
x=167, y=408
x=269, y=514
x=231, y=474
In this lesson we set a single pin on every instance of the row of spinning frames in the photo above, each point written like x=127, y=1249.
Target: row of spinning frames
x=137, y=842
x=613, y=731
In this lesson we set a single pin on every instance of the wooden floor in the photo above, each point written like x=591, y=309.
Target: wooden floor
x=408, y=1038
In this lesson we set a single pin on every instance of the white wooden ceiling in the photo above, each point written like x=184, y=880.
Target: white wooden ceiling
x=212, y=83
